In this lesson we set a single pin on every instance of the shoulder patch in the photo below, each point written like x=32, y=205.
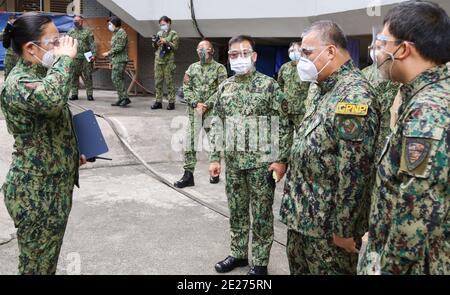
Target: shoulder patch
x=343, y=108
x=416, y=151
x=349, y=128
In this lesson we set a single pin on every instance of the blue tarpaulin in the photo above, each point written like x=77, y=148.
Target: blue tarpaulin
x=63, y=22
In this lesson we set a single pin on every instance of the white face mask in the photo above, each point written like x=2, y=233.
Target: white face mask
x=241, y=66
x=48, y=59
x=111, y=27
x=307, y=70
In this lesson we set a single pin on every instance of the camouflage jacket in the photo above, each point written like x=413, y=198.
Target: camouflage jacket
x=86, y=41
x=34, y=103
x=409, y=222
x=331, y=159
x=295, y=93
x=119, y=46
x=201, y=82
x=243, y=111
x=386, y=91
x=172, y=39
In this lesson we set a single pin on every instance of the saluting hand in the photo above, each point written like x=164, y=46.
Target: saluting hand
x=67, y=46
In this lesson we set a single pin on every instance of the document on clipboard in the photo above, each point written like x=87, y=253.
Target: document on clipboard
x=91, y=142
x=88, y=55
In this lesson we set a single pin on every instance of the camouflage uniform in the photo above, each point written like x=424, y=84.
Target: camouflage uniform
x=330, y=161
x=165, y=67
x=201, y=82
x=244, y=98
x=39, y=185
x=386, y=91
x=119, y=61
x=81, y=67
x=295, y=92
x=409, y=229
x=10, y=60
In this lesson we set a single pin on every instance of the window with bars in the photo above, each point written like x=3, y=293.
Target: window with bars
x=56, y=6
x=29, y=5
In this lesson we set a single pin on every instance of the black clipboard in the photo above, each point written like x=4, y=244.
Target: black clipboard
x=91, y=142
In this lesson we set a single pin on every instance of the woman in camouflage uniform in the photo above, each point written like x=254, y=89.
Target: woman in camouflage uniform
x=45, y=162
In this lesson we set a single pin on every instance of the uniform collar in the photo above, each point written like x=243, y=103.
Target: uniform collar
x=429, y=76
x=328, y=84
x=246, y=77
x=35, y=71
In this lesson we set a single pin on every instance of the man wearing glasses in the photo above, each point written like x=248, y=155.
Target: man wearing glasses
x=409, y=225
x=246, y=106
x=325, y=204
x=201, y=82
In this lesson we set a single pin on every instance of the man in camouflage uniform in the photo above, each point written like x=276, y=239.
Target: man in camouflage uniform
x=386, y=91
x=39, y=185
x=295, y=91
x=409, y=225
x=325, y=204
x=82, y=67
x=246, y=103
x=201, y=82
x=119, y=60
x=11, y=57
x=165, y=63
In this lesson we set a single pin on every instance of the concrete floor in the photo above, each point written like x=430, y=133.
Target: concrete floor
x=123, y=220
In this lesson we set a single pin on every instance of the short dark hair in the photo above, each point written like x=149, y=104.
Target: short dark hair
x=240, y=39
x=426, y=25
x=330, y=33
x=12, y=16
x=165, y=19
x=115, y=21
x=27, y=28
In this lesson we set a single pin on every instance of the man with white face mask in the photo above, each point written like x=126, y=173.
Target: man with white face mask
x=245, y=105
x=295, y=91
x=325, y=204
x=409, y=225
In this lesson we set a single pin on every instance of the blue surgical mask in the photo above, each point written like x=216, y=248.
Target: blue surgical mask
x=164, y=28
x=294, y=55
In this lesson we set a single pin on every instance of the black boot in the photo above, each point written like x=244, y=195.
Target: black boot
x=157, y=106
x=125, y=102
x=117, y=103
x=186, y=180
x=171, y=107
x=229, y=264
x=90, y=98
x=258, y=271
x=214, y=180
x=74, y=97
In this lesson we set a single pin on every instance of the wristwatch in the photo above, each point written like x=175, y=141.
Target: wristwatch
x=194, y=105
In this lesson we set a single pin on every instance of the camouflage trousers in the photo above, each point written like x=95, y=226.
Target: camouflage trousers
x=312, y=256
x=118, y=79
x=249, y=190
x=194, y=131
x=165, y=72
x=84, y=69
x=40, y=210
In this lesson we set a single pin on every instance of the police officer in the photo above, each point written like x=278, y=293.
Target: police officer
x=330, y=160
x=39, y=186
x=81, y=66
x=119, y=60
x=295, y=91
x=409, y=225
x=244, y=104
x=200, y=85
x=165, y=46
x=11, y=57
